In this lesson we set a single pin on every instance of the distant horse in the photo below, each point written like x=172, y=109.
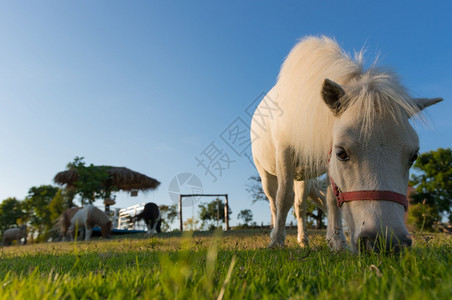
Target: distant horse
x=89, y=216
x=14, y=234
x=64, y=222
x=327, y=114
x=151, y=216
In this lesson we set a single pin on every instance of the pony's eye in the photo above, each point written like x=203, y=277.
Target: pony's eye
x=413, y=158
x=341, y=154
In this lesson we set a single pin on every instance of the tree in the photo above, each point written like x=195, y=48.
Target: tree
x=433, y=183
x=11, y=213
x=191, y=224
x=90, y=184
x=68, y=195
x=314, y=213
x=246, y=215
x=254, y=187
x=423, y=216
x=37, y=210
x=168, y=214
x=213, y=213
x=59, y=203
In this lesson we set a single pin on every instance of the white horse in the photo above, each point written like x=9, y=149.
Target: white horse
x=327, y=114
x=89, y=216
x=14, y=234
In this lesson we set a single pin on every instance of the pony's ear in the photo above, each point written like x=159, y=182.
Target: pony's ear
x=426, y=102
x=332, y=94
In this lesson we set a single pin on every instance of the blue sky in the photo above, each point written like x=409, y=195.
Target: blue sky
x=149, y=85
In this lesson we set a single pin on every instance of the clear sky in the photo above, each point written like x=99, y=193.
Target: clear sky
x=150, y=85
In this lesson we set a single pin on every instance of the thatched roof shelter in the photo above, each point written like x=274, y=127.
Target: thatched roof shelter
x=120, y=177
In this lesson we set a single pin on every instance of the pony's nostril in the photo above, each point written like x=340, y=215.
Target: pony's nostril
x=366, y=241
x=406, y=241
x=375, y=242
x=367, y=235
x=365, y=244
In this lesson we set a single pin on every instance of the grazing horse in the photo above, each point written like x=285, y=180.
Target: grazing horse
x=327, y=114
x=64, y=222
x=14, y=234
x=89, y=216
x=151, y=216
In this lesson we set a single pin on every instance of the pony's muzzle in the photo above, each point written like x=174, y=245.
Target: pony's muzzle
x=374, y=242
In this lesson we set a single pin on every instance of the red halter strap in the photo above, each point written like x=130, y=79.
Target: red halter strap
x=342, y=197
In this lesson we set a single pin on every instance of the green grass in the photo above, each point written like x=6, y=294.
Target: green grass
x=234, y=265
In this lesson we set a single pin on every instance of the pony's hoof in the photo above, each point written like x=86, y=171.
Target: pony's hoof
x=338, y=245
x=276, y=245
x=303, y=242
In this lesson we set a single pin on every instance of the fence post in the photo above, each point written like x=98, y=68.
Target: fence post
x=226, y=211
x=181, y=224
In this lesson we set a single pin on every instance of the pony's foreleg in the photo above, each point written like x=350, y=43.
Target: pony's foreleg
x=334, y=233
x=300, y=205
x=284, y=196
x=269, y=186
x=89, y=233
x=70, y=233
x=154, y=227
x=64, y=234
x=149, y=226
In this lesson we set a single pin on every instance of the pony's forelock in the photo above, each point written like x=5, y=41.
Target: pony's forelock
x=378, y=93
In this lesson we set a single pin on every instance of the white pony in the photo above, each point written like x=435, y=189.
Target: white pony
x=326, y=114
x=14, y=234
x=89, y=216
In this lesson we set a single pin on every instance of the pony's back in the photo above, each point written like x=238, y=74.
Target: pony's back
x=79, y=217
x=150, y=210
x=96, y=216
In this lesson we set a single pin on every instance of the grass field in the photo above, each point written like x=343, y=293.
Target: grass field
x=232, y=265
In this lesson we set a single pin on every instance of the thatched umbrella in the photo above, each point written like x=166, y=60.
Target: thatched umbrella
x=121, y=178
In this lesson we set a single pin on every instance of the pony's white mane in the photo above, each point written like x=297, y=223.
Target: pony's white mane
x=368, y=94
